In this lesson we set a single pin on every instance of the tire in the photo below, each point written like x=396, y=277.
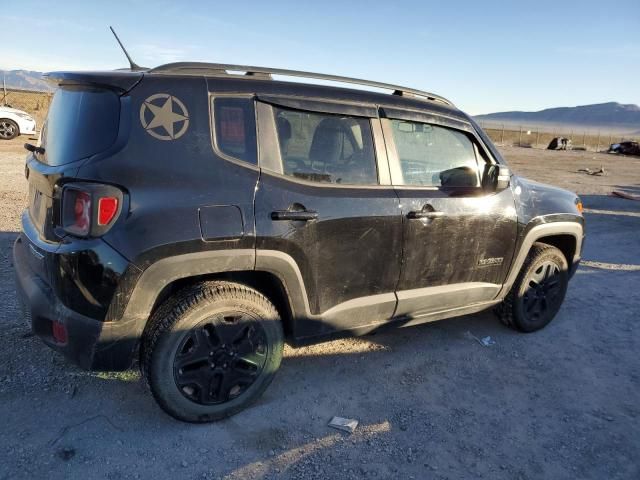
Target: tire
x=212, y=350
x=8, y=129
x=538, y=292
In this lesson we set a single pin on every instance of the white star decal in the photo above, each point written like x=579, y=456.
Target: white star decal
x=164, y=117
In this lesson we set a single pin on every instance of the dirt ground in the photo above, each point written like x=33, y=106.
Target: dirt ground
x=432, y=401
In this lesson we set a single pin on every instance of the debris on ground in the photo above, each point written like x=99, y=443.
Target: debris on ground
x=484, y=341
x=487, y=341
x=588, y=171
x=344, y=424
x=560, y=143
x=628, y=196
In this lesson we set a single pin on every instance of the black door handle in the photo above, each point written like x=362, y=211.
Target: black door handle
x=424, y=214
x=300, y=215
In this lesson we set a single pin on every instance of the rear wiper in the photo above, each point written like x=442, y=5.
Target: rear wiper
x=34, y=149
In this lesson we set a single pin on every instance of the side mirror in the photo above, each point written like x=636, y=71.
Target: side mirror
x=496, y=178
x=459, y=177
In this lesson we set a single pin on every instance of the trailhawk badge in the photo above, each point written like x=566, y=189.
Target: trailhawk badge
x=164, y=117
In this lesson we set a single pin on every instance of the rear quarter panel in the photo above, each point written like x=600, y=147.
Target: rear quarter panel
x=170, y=181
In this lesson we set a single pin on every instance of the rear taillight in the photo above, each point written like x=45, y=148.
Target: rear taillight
x=89, y=209
x=59, y=332
x=107, y=209
x=81, y=213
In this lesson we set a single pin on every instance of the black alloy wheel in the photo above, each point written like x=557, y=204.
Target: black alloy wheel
x=211, y=350
x=220, y=358
x=542, y=292
x=538, y=292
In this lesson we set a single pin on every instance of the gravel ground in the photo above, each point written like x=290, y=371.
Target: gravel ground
x=431, y=400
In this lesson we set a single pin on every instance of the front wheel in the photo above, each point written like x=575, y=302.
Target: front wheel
x=539, y=290
x=212, y=350
x=8, y=129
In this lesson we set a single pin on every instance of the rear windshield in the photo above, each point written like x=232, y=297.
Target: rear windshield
x=81, y=122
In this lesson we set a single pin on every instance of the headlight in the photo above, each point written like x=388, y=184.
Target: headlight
x=26, y=116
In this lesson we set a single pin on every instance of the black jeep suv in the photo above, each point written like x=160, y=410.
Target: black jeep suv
x=194, y=216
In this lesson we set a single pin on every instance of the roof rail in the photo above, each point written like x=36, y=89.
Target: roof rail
x=201, y=68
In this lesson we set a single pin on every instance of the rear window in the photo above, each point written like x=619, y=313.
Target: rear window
x=80, y=123
x=235, y=128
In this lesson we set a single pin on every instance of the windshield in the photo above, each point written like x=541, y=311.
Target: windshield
x=81, y=123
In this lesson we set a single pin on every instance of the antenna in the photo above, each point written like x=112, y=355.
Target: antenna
x=132, y=64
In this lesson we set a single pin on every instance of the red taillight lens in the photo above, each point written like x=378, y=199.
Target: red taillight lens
x=79, y=223
x=89, y=209
x=107, y=209
x=59, y=332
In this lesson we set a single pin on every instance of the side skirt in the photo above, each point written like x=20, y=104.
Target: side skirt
x=396, y=322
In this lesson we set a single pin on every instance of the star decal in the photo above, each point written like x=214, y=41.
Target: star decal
x=167, y=123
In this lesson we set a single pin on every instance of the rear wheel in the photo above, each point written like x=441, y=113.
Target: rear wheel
x=8, y=129
x=212, y=350
x=539, y=290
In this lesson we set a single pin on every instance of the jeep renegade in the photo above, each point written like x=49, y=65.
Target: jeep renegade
x=192, y=217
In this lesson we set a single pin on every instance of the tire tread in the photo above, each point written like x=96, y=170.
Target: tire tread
x=505, y=311
x=177, y=306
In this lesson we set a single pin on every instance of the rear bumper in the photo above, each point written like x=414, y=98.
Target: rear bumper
x=92, y=344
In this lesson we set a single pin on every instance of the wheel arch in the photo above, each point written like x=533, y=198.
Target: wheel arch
x=567, y=236
x=565, y=242
x=277, y=277
x=267, y=283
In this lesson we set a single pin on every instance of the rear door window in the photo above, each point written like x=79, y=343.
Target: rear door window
x=326, y=148
x=81, y=122
x=235, y=128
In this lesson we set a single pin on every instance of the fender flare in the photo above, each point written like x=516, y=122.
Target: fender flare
x=536, y=232
x=167, y=270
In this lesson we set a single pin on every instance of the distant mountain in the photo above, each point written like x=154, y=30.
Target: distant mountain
x=611, y=115
x=25, y=79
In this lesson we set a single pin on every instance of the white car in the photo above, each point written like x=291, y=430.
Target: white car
x=14, y=122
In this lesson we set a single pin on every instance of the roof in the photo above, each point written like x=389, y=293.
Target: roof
x=233, y=77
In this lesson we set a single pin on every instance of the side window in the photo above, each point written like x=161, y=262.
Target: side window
x=434, y=156
x=326, y=148
x=235, y=128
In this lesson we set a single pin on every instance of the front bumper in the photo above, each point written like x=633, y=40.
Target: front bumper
x=92, y=344
x=27, y=127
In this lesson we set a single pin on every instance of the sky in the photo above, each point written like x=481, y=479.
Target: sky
x=485, y=56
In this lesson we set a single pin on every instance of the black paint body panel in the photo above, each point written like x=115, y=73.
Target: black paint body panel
x=450, y=249
x=350, y=251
